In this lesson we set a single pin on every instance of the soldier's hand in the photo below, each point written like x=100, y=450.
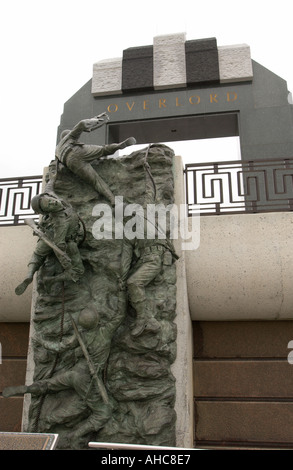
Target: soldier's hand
x=92, y=124
x=128, y=142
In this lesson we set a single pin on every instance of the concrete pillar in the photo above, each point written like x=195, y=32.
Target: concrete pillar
x=182, y=367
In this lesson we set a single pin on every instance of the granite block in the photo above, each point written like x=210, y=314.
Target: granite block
x=169, y=61
x=11, y=414
x=235, y=63
x=27, y=441
x=14, y=338
x=12, y=372
x=202, y=65
x=137, y=69
x=224, y=421
x=107, y=77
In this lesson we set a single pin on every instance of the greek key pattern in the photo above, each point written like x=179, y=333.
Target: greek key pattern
x=15, y=198
x=239, y=186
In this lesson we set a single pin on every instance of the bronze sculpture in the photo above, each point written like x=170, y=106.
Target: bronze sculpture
x=61, y=225
x=85, y=377
x=151, y=256
x=108, y=380
x=78, y=156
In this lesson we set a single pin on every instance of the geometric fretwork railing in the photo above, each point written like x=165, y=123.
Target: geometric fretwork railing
x=15, y=197
x=239, y=186
x=211, y=188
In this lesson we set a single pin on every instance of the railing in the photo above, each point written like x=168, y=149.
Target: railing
x=211, y=189
x=15, y=197
x=239, y=186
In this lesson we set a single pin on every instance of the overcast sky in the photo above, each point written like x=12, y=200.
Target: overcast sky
x=49, y=48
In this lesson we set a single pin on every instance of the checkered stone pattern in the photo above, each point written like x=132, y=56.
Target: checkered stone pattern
x=172, y=62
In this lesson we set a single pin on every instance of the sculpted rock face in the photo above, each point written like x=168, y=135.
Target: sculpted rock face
x=112, y=380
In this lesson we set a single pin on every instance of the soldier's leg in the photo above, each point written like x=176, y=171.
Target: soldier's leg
x=73, y=270
x=85, y=171
x=61, y=381
x=100, y=415
x=42, y=250
x=37, y=388
x=136, y=285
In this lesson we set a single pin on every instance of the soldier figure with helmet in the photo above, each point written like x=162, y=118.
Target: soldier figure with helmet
x=61, y=225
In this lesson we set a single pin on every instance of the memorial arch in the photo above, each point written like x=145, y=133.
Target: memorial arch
x=230, y=383
x=182, y=90
x=229, y=301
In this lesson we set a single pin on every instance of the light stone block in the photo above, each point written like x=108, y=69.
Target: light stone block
x=242, y=270
x=182, y=368
x=235, y=63
x=107, y=77
x=169, y=61
x=17, y=244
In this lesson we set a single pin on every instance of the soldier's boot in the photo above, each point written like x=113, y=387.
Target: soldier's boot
x=33, y=267
x=21, y=288
x=145, y=321
x=37, y=388
x=14, y=391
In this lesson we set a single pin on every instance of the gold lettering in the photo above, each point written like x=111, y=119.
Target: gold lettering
x=177, y=101
x=112, y=108
x=130, y=107
x=233, y=98
x=162, y=103
x=194, y=102
x=213, y=98
x=145, y=104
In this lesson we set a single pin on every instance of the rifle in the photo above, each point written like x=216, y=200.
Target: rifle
x=92, y=368
x=41, y=235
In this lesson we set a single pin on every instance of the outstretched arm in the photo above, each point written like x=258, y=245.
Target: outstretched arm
x=88, y=125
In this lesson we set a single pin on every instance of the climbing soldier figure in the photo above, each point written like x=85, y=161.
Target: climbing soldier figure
x=77, y=156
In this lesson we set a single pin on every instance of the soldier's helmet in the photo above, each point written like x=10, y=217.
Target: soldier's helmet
x=88, y=318
x=35, y=203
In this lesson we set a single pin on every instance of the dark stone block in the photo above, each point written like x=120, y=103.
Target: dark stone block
x=11, y=414
x=137, y=69
x=246, y=339
x=202, y=62
x=14, y=339
x=12, y=372
x=199, y=45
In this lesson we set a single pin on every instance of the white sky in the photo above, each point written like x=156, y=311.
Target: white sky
x=49, y=48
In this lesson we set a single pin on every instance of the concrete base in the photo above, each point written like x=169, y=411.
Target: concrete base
x=182, y=369
x=16, y=247
x=243, y=268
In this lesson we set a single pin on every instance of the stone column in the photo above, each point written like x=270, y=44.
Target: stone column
x=182, y=368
